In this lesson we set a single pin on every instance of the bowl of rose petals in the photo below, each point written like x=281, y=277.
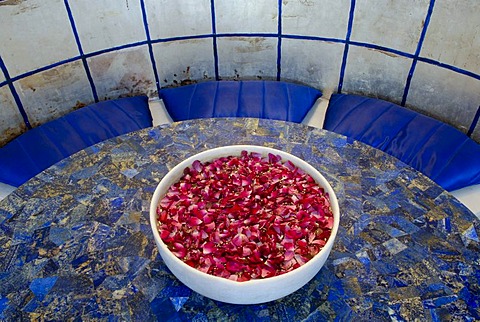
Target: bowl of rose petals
x=244, y=224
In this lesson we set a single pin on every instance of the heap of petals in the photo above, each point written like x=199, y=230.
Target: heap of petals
x=245, y=217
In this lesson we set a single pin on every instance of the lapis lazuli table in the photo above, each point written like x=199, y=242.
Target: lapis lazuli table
x=76, y=244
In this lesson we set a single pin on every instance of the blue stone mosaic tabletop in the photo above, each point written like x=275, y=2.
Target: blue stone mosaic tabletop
x=76, y=242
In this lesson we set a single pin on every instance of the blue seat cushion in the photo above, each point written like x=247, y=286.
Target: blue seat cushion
x=260, y=99
x=45, y=145
x=436, y=149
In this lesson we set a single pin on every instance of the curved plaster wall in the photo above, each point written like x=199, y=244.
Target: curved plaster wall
x=59, y=55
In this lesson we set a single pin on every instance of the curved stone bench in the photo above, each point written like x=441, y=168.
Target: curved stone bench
x=45, y=145
x=438, y=150
x=441, y=152
x=260, y=99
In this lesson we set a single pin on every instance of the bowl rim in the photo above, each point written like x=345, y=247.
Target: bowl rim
x=227, y=151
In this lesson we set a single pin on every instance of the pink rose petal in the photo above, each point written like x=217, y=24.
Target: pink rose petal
x=245, y=217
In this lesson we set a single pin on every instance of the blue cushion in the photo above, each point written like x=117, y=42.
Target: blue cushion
x=438, y=150
x=261, y=99
x=45, y=145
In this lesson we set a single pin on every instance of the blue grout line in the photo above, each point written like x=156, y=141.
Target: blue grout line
x=417, y=52
x=116, y=48
x=80, y=50
x=381, y=48
x=44, y=68
x=15, y=95
x=279, y=44
x=245, y=34
x=214, y=37
x=449, y=67
x=314, y=38
x=180, y=38
x=474, y=122
x=150, y=47
x=347, y=44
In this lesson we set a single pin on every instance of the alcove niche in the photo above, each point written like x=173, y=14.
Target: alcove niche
x=57, y=56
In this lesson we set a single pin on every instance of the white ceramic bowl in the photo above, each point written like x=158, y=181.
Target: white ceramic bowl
x=253, y=291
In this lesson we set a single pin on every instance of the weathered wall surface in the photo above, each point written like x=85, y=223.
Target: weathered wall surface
x=58, y=55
